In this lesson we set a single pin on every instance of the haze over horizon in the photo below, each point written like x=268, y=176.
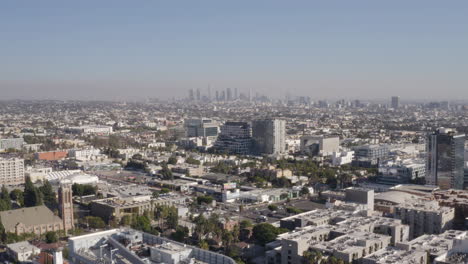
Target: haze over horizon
x=114, y=50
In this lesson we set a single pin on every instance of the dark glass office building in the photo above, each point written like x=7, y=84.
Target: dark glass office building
x=445, y=159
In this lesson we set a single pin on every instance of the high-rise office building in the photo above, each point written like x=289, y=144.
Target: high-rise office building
x=235, y=138
x=217, y=95
x=229, y=94
x=445, y=158
x=269, y=136
x=395, y=102
x=236, y=94
x=191, y=95
x=198, y=95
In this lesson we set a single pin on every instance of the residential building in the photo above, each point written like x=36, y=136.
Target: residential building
x=423, y=216
x=83, y=154
x=11, y=143
x=445, y=159
x=11, y=171
x=161, y=250
x=269, y=136
x=435, y=245
x=91, y=129
x=396, y=255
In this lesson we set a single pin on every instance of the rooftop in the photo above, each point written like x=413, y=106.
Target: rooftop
x=29, y=216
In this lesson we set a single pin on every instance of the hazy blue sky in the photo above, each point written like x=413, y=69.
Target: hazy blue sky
x=114, y=49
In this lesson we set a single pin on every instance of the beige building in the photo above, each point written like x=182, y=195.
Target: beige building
x=38, y=220
x=116, y=208
x=11, y=171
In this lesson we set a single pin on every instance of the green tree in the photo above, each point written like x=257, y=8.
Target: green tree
x=3, y=235
x=32, y=196
x=203, y=245
x=265, y=233
x=180, y=234
x=17, y=195
x=51, y=237
x=126, y=220
x=272, y=207
x=5, y=201
x=245, y=224
x=48, y=194
x=172, y=160
x=95, y=222
x=304, y=191
x=166, y=173
x=191, y=160
x=311, y=257
x=293, y=210
x=204, y=199
x=142, y=223
x=172, y=218
x=83, y=189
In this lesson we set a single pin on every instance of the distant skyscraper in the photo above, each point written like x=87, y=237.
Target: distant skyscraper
x=229, y=94
x=217, y=95
x=445, y=158
x=269, y=136
x=198, y=95
x=236, y=94
x=191, y=95
x=395, y=102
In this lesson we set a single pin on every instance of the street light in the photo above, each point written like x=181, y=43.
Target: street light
x=111, y=254
x=100, y=250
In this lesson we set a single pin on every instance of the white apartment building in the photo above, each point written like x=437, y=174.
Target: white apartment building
x=343, y=157
x=104, y=130
x=320, y=145
x=84, y=154
x=11, y=171
x=11, y=143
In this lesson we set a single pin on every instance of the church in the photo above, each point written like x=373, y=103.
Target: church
x=40, y=219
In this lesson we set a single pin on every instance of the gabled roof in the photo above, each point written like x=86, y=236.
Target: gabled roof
x=28, y=216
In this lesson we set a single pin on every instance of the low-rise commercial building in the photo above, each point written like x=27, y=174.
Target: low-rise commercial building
x=22, y=251
x=115, y=208
x=320, y=145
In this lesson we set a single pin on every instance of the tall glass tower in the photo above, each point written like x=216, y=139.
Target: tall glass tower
x=445, y=158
